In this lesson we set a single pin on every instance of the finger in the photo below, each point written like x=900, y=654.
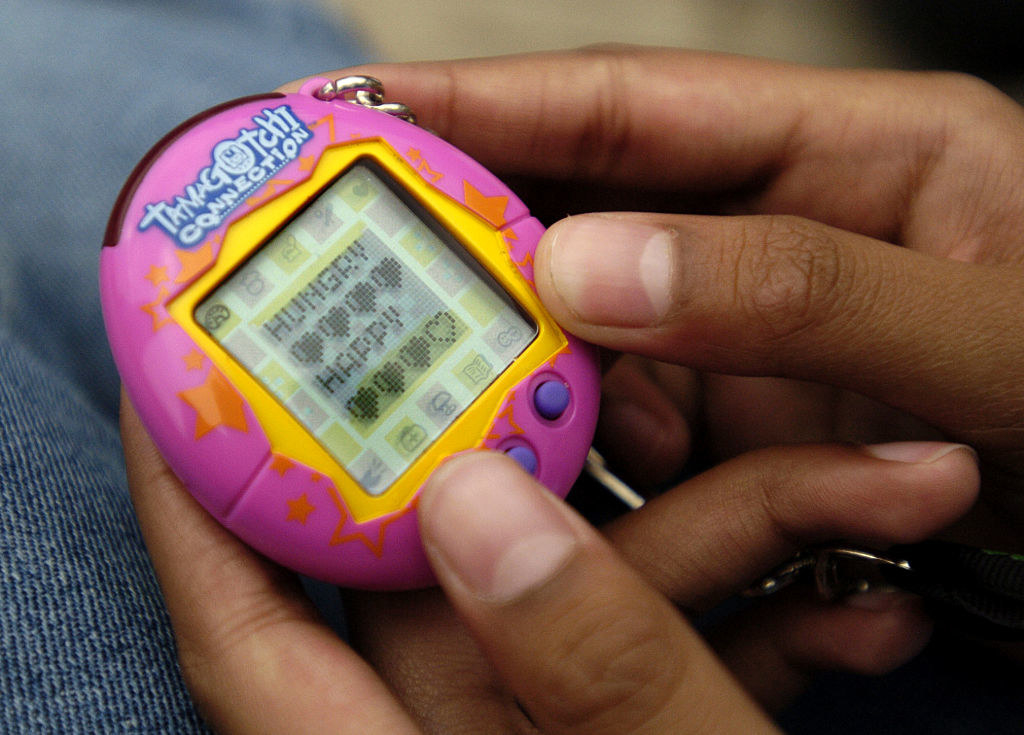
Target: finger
x=582, y=641
x=644, y=424
x=431, y=662
x=766, y=131
x=560, y=114
x=801, y=413
x=731, y=524
x=252, y=649
x=775, y=648
x=786, y=297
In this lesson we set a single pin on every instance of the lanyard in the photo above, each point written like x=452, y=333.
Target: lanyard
x=977, y=591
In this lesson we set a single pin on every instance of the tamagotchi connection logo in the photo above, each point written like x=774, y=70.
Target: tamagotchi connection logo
x=238, y=167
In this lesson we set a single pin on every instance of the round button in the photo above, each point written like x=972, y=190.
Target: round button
x=525, y=457
x=551, y=399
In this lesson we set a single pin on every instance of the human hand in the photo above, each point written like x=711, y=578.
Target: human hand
x=802, y=281
x=824, y=172
x=562, y=625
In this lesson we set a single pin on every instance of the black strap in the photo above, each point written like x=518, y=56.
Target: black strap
x=975, y=590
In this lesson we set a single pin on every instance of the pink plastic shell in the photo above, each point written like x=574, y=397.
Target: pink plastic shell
x=222, y=455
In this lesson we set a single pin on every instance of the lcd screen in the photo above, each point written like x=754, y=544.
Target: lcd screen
x=369, y=322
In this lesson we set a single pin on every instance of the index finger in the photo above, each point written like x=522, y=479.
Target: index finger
x=674, y=120
x=593, y=114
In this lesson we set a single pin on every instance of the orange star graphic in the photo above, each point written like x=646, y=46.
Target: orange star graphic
x=375, y=545
x=329, y=120
x=157, y=275
x=416, y=157
x=299, y=509
x=429, y=173
x=157, y=309
x=194, y=262
x=506, y=413
x=216, y=403
x=525, y=261
x=306, y=163
x=566, y=350
x=281, y=464
x=491, y=209
x=193, y=360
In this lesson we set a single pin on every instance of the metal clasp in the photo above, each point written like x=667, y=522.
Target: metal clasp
x=364, y=91
x=837, y=571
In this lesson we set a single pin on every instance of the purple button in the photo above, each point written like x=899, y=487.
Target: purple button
x=551, y=399
x=525, y=457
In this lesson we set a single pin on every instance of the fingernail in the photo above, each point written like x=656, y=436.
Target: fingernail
x=914, y=452
x=612, y=270
x=488, y=524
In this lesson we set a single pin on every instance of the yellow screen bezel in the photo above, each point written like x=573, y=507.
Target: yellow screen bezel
x=480, y=239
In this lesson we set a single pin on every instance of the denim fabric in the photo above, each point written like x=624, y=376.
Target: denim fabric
x=85, y=639
x=85, y=89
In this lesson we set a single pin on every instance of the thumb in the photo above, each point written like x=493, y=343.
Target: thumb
x=788, y=297
x=582, y=641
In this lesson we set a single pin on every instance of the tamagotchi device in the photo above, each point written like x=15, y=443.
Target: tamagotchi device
x=312, y=303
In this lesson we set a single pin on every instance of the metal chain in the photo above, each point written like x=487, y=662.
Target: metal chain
x=365, y=91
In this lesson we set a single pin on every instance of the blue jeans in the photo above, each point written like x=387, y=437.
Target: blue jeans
x=85, y=89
